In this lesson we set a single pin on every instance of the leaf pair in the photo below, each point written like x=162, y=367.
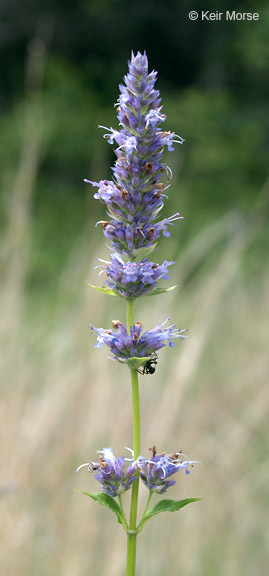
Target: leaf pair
x=111, y=292
x=161, y=506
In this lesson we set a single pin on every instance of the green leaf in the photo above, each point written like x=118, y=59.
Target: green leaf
x=103, y=289
x=106, y=501
x=135, y=362
x=142, y=252
x=167, y=506
x=157, y=290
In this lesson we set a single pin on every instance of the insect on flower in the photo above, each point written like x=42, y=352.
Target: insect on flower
x=149, y=366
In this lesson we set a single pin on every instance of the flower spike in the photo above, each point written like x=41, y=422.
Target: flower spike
x=134, y=199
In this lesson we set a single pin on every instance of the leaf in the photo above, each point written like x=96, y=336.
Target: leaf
x=135, y=362
x=157, y=290
x=106, y=501
x=104, y=289
x=167, y=506
x=142, y=252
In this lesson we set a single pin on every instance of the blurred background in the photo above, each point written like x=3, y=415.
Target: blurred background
x=61, y=400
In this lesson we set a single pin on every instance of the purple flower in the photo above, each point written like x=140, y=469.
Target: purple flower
x=127, y=239
x=126, y=346
x=111, y=472
x=134, y=198
x=155, y=473
x=133, y=279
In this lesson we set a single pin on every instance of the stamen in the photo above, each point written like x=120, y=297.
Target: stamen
x=82, y=466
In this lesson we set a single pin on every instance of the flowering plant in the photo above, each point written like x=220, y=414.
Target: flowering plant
x=134, y=200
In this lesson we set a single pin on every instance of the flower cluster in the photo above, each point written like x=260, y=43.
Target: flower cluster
x=111, y=473
x=129, y=239
x=115, y=478
x=125, y=346
x=135, y=197
x=133, y=279
x=156, y=471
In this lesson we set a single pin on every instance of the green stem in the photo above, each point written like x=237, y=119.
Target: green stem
x=141, y=523
x=132, y=531
x=129, y=313
x=123, y=513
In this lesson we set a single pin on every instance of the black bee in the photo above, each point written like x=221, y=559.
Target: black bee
x=149, y=366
